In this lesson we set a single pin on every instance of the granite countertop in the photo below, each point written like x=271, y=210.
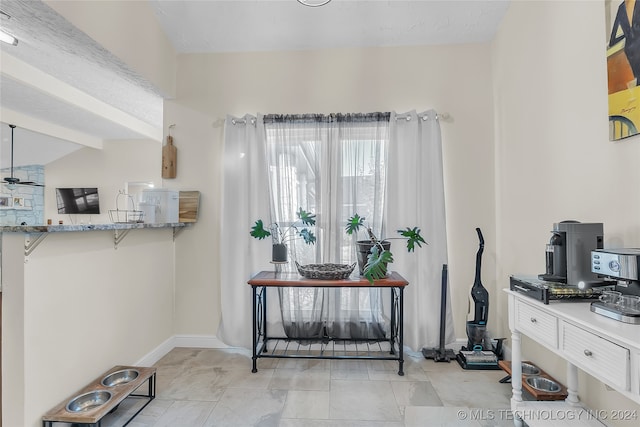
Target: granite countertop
x=83, y=227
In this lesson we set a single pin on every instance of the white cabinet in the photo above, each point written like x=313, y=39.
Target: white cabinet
x=604, y=348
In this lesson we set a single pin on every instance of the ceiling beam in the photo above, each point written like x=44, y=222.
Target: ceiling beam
x=47, y=128
x=28, y=75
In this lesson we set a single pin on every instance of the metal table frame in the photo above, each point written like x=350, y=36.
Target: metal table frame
x=266, y=279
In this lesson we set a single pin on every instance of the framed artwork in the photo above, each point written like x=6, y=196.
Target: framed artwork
x=5, y=202
x=18, y=202
x=623, y=67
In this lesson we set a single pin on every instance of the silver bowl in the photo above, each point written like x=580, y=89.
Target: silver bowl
x=529, y=369
x=120, y=377
x=543, y=384
x=88, y=401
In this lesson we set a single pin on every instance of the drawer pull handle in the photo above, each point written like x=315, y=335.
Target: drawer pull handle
x=588, y=353
x=534, y=320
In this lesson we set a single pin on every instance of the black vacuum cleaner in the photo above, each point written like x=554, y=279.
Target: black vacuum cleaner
x=480, y=353
x=441, y=354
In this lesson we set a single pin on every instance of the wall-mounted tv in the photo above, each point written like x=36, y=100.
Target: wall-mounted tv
x=78, y=200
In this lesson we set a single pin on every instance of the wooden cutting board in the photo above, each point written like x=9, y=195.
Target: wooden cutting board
x=188, y=206
x=169, y=159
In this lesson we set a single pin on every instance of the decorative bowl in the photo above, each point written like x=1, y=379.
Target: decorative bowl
x=325, y=271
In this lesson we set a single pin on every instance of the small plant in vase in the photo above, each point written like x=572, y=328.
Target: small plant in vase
x=282, y=235
x=374, y=254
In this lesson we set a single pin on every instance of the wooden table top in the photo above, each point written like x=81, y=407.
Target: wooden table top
x=291, y=279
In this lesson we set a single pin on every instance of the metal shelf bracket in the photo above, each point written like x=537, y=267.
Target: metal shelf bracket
x=31, y=244
x=118, y=236
x=176, y=231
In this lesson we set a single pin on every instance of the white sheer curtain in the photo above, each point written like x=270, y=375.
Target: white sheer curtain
x=333, y=166
x=245, y=198
x=415, y=197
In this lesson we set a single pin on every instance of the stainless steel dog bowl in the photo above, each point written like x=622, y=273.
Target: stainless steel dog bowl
x=529, y=369
x=543, y=384
x=120, y=377
x=87, y=401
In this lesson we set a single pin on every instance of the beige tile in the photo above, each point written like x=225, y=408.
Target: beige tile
x=344, y=374
x=421, y=416
x=337, y=423
x=304, y=364
x=469, y=388
x=185, y=413
x=415, y=393
x=289, y=379
x=307, y=404
x=410, y=374
x=349, y=365
x=215, y=387
x=196, y=383
x=359, y=400
x=241, y=407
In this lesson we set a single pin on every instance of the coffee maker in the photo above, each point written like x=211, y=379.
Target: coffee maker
x=568, y=254
x=621, y=267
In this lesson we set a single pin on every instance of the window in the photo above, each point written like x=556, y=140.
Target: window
x=333, y=166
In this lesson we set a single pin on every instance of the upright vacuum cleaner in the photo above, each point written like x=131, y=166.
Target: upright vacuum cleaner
x=479, y=352
x=441, y=354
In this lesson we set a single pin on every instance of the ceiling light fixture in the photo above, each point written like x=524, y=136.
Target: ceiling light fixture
x=4, y=36
x=314, y=3
x=8, y=38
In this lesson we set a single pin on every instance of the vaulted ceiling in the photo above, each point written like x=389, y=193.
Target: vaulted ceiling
x=67, y=87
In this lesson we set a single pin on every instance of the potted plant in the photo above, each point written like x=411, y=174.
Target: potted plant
x=374, y=254
x=281, y=236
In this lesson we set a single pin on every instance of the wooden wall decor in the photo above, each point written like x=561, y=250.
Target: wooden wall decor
x=169, y=158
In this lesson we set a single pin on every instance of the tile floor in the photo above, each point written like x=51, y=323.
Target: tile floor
x=215, y=387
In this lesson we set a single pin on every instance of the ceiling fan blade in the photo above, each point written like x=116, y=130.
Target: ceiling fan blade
x=16, y=181
x=31, y=183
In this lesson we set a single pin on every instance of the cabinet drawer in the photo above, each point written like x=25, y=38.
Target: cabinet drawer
x=537, y=324
x=596, y=355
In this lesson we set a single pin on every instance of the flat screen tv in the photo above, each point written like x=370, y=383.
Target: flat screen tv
x=78, y=200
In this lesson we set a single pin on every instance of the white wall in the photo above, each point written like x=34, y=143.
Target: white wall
x=453, y=79
x=77, y=306
x=86, y=308
x=553, y=157
x=109, y=169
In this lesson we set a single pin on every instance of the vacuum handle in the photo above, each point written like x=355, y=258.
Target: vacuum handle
x=478, y=281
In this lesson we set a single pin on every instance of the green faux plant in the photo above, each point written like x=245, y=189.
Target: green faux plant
x=378, y=257
x=282, y=235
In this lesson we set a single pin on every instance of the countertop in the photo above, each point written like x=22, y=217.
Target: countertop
x=57, y=228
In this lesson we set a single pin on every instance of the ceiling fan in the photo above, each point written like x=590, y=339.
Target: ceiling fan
x=11, y=180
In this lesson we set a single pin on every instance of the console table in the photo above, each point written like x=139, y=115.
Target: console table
x=284, y=347
x=602, y=347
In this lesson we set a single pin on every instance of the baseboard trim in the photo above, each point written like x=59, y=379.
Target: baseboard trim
x=198, y=341
x=194, y=341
